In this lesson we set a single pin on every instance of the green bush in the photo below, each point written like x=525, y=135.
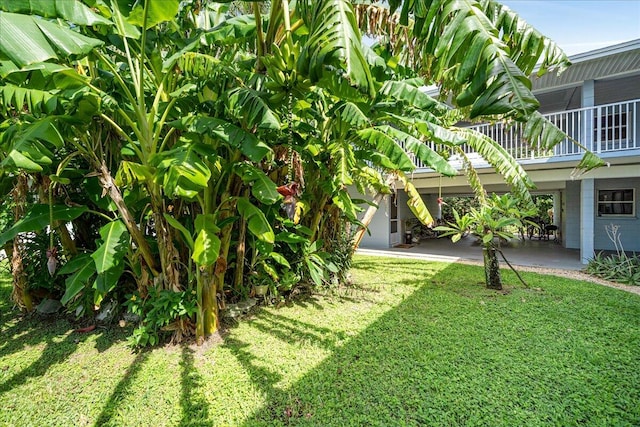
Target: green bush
x=160, y=312
x=619, y=268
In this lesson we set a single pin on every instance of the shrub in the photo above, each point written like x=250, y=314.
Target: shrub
x=618, y=267
x=161, y=313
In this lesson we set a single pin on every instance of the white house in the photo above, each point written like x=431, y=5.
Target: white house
x=597, y=102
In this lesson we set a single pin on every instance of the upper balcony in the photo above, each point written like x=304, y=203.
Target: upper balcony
x=608, y=130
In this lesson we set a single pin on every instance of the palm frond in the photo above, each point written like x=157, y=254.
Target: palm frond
x=34, y=101
x=334, y=40
x=386, y=152
x=247, y=105
x=528, y=47
x=472, y=177
x=512, y=172
x=415, y=202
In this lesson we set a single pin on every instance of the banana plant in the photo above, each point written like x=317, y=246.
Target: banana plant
x=485, y=71
x=191, y=119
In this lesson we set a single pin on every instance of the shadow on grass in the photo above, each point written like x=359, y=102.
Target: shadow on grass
x=120, y=392
x=53, y=353
x=292, y=330
x=21, y=331
x=32, y=331
x=262, y=377
x=487, y=359
x=195, y=411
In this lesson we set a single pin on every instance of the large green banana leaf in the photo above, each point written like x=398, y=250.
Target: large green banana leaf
x=238, y=29
x=422, y=151
x=83, y=268
x=38, y=218
x=207, y=244
x=156, y=11
x=343, y=162
x=106, y=282
x=256, y=221
x=247, y=105
x=73, y=11
x=37, y=101
x=28, y=40
x=334, y=39
x=186, y=234
x=350, y=114
x=28, y=145
x=247, y=142
x=113, y=248
x=479, y=51
x=501, y=160
x=386, y=149
x=182, y=172
x=262, y=187
x=412, y=93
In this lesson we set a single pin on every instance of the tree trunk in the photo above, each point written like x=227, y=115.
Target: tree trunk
x=238, y=282
x=110, y=187
x=491, y=268
x=169, y=255
x=317, y=217
x=19, y=293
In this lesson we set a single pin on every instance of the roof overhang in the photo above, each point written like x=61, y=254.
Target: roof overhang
x=609, y=62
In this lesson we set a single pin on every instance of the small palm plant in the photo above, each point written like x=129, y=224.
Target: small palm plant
x=494, y=220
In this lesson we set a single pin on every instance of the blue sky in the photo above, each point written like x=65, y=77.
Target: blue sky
x=581, y=25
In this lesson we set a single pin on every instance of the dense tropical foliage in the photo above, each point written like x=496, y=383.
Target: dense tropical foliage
x=175, y=154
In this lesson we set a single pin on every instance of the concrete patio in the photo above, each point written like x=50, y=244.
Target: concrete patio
x=533, y=253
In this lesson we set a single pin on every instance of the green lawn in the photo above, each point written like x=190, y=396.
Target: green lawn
x=413, y=343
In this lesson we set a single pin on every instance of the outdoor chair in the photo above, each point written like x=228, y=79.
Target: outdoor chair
x=549, y=230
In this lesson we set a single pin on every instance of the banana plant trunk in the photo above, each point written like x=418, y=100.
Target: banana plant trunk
x=168, y=252
x=491, y=268
x=110, y=187
x=19, y=293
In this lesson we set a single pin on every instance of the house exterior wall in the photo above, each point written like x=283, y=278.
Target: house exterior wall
x=571, y=221
x=379, y=233
x=629, y=226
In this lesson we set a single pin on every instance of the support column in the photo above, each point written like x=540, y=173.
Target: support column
x=557, y=209
x=588, y=100
x=588, y=93
x=587, y=219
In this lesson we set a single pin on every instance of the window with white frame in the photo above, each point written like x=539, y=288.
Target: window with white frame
x=617, y=202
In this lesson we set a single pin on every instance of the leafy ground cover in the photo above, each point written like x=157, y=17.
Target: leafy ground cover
x=411, y=343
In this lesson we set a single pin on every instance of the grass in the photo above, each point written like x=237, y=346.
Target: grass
x=412, y=343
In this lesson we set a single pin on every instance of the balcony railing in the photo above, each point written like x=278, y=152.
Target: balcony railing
x=601, y=129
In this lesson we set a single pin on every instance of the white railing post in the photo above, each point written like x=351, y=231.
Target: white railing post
x=634, y=131
x=598, y=128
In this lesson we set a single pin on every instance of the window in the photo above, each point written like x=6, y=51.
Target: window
x=616, y=202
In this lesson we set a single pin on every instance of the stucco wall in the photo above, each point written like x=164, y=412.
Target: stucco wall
x=571, y=219
x=378, y=229
x=629, y=226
